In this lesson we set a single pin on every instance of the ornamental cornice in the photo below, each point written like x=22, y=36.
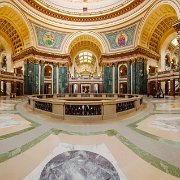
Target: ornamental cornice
x=131, y=54
x=83, y=18
x=35, y=52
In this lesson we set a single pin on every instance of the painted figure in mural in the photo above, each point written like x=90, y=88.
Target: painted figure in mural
x=121, y=39
x=49, y=39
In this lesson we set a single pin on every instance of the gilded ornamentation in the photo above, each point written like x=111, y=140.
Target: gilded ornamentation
x=80, y=18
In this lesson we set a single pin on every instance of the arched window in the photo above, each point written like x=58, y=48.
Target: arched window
x=85, y=64
x=47, y=71
x=123, y=71
x=85, y=57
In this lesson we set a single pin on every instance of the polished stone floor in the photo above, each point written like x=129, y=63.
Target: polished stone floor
x=142, y=145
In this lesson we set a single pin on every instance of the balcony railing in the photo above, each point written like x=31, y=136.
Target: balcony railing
x=173, y=73
x=47, y=78
x=11, y=75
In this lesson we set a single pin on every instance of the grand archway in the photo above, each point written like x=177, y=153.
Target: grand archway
x=85, y=65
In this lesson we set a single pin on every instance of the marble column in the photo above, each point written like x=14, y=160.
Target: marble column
x=63, y=79
x=133, y=77
x=4, y=88
x=31, y=77
x=163, y=86
x=172, y=87
x=129, y=77
x=39, y=79
x=139, y=76
x=54, y=79
x=57, y=79
x=8, y=88
x=107, y=79
x=113, y=78
x=116, y=78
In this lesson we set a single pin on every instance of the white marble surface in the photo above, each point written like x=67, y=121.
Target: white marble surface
x=166, y=123
x=6, y=106
x=168, y=106
x=7, y=121
x=100, y=149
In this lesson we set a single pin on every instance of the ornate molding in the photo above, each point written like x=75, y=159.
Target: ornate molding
x=35, y=52
x=79, y=18
x=138, y=51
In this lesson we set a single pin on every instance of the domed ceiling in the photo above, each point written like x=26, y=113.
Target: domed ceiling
x=84, y=10
x=76, y=6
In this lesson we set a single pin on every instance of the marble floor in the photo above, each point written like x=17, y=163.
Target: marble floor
x=142, y=145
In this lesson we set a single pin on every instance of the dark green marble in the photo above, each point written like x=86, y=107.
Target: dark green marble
x=31, y=79
x=129, y=78
x=63, y=80
x=107, y=79
x=116, y=79
x=54, y=80
x=42, y=79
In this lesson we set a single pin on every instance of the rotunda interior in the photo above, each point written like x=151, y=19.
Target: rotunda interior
x=90, y=89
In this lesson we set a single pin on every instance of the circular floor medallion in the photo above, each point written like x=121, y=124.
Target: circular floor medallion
x=79, y=165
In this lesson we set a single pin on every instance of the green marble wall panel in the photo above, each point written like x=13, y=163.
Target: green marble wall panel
x=31, y=85
x=138, y=84
x=35, y=82
x=139, y=78
x=133, y=78
x=144, y=89
x=63, y=80
x=129, y=78
x=107, y=79
x=42, y=79
x=26, y=79
x=54, y=80
x=116, y=80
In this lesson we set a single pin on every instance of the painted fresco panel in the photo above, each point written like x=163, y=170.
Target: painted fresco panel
x=49, y=39
x=122, y=38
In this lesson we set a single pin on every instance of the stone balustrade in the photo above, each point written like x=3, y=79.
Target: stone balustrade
x=81, y=107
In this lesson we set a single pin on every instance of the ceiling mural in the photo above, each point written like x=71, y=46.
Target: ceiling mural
x=122, y=38
x=49, y=39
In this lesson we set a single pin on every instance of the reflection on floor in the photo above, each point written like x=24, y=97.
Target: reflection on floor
x=166, y=126
x=143, y=146
x=168, y=106
x=167, y=123
x=10, y=123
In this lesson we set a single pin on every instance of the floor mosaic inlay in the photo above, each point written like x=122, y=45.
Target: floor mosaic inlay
x=136, y=146
x=7, y=121
x=166, y=123
x=79, y=164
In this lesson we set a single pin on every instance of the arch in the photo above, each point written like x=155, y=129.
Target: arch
x=122, y=71
x=18, y=31
x=8, y=51
x=157, y=24
x=48, y=70
x=164, y=50
x=85, y=35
